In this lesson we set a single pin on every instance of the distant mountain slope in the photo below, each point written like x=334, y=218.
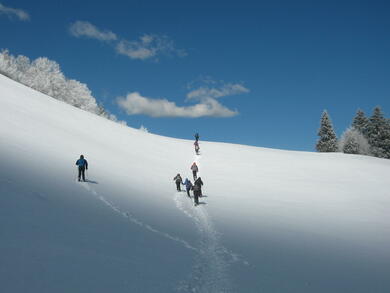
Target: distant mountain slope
x=270, y=221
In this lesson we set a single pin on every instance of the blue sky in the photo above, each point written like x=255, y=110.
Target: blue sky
x=248, y=72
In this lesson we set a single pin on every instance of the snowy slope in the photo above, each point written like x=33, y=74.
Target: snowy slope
x=271, y=221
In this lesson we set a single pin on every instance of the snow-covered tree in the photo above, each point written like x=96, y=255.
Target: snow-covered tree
x=378, y=134
x=7, y=64
x=143, y=129
x=353, y=142
x=328, y=140
x=45, y=76
x=80, y=96
x=360, y=122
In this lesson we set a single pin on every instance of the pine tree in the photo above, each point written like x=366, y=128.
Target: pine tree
x=378, y=134
x=351, y=146
x=328, y=140
x=360, y=122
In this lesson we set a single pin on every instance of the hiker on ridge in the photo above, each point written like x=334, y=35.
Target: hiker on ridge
x=82, y=166
x=178, y=181
x=197, y=148
x=195, y=170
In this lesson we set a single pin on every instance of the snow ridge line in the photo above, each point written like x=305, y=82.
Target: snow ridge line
x=134, y=220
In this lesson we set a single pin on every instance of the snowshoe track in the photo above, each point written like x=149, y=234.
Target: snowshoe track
x=138, y=222
x=210, y=270
x=209, y=273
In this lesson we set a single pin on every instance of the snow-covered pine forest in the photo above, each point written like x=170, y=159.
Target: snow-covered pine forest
x=368, y=136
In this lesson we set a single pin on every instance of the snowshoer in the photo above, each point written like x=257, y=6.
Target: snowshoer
x=178, y=181
x=195, y=170
x=188, y=185
x=198, y=182
x=197, y=148
x=83, y=165
x=197, y=190
x=196, y=195
x=196, y=136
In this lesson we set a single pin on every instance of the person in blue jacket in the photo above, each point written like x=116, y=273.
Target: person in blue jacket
x=83, y=165
x=188, y=185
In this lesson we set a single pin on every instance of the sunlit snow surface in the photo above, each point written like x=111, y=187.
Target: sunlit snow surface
x=270, y=221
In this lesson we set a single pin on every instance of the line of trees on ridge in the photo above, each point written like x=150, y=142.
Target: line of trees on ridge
x=366, y=136
x=45, y=76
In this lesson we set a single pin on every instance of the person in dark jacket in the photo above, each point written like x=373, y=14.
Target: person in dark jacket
x=198, y=182
x=196, y=136
x=82, y=166
x=195, y=170
x=178, y=181
x=188, y=185
x=197, y=190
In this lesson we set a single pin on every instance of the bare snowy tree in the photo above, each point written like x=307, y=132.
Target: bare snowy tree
x=143, y=129
x=353, y=142
x=45, y=76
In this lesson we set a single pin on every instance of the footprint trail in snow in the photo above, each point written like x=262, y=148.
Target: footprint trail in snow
x=210, y=271
x=136, y=221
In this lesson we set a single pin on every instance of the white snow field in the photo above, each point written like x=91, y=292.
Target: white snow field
x=270, y=221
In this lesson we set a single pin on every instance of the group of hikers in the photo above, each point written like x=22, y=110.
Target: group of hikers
x=196, y=187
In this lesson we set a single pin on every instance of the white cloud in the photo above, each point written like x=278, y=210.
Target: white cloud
x=148, y=46
x=134, y=104
x=135, y=50
x=206, y=92
x=21, y=14
x=86, y=29
x=206, y=96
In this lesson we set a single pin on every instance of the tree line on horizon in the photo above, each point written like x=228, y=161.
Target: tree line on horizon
x=45, y=76
x=368, y=136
